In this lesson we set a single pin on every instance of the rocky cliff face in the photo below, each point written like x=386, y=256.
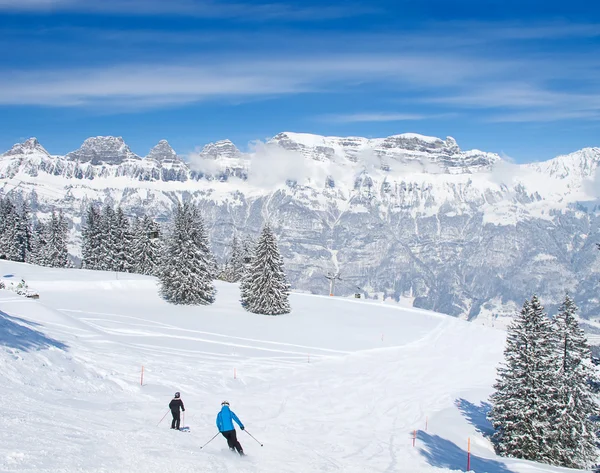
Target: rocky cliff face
x=408, y=217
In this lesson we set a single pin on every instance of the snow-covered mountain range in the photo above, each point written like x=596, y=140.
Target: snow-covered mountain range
x=407, y=217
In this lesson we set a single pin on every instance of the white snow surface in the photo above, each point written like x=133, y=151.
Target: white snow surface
x=338, y=385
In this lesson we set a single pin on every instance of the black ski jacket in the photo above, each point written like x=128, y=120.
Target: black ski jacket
x=176, y=404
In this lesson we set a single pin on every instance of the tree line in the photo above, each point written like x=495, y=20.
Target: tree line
x=38, y=242
x=179, y=255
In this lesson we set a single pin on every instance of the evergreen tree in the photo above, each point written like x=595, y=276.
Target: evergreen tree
x=122, y=242
x=524, y=402
x=264, y=288
x=15, y=231
x=187, y=267
x=574, y=433
x=39, y=245
x=235, y=267
x=24, y=232
x=146, y=247
x=56, y=252
x=200, y=237
x=91, y=236
x=108, y=252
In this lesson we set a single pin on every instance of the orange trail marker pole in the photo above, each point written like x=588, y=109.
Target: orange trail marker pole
x=142, y=378
x=426, y=422
x=414, y=437
x=234, y=374
x=469, y=455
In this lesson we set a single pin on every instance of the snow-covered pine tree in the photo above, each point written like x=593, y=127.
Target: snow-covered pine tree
x=523, y=405
x=235, y=267
x=24, y=232
x=186, y=272
x=123, y=242
x=146, y=246
x=107, y=242
x=264, y=289
x=574, y=433
x=91, y=236
x=39, y=245
x=10, y=231
x=56, y=253
x=200, y=236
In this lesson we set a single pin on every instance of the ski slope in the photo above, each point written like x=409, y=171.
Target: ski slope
x=338, y=385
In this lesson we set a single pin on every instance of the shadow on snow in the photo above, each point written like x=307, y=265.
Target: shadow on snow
x=476, y=415
x=17, y=333
x=442, y=453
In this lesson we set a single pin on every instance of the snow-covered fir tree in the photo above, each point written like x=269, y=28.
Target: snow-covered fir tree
x=574, y=433
x=91, y=236
x=122, y=236
x=108, y=241
x=146, y=246
x=235, y=267
x=24, y=232
x=264, y=289
x=523, y=406
x=15, y=231
x=56, y=253
x=39, y=245
x=187, y=267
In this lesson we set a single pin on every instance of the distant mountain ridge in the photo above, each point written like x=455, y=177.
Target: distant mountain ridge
x=407, y=217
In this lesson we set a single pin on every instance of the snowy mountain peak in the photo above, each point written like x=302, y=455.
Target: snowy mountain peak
x=403, y=149
x=573, y=166
x=31, y=146
x=220, y=149
x=163, y=153
x=103, y=150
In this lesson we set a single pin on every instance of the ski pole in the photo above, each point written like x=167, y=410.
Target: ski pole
x=210, y=440
x=253, y=437
x=183, y=423
x=163, y=418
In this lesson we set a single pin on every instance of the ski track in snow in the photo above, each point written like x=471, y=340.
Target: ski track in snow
x=319, y=387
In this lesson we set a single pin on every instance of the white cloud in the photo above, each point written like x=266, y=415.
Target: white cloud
x=136, y=85
x=373, y=117
x=592, y=186
x=199, y=163
x=506, y=172
x=271, y=165
x=194, y=8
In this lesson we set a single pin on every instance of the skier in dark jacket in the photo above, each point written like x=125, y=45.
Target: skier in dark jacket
x=225, y=420
x=176, y=404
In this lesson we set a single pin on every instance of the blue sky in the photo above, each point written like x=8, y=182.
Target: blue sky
x=521, y=78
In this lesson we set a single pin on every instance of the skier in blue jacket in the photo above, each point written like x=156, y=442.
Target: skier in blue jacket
x=225, y=420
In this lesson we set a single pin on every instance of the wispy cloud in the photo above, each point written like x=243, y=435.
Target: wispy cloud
x=164, y=84
x=194, y=8
x=372, y=117
x=446, y=68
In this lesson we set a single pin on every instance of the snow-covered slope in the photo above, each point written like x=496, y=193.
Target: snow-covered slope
x=407, y=217
x=337, y=385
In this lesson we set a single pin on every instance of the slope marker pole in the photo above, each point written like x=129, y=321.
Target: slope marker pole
x=142, y=377
x=469, y=454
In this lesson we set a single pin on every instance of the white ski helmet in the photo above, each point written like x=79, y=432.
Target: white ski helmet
x=225, y=403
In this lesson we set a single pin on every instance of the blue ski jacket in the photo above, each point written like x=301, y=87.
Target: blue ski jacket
x=225, y=420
